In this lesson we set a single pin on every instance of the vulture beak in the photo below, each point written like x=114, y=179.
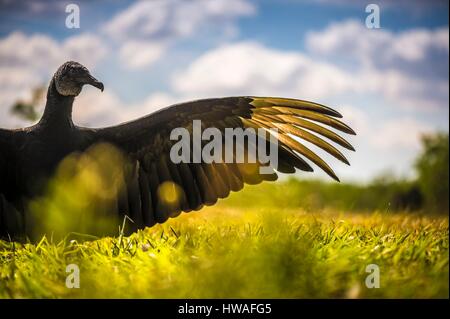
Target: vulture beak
x=94, y=82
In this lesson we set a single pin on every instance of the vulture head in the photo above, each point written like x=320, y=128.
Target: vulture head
x=70, y=78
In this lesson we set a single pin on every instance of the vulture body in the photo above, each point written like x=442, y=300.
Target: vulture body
x=30, y=156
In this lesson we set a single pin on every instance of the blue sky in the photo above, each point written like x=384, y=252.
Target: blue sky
x=390, y=83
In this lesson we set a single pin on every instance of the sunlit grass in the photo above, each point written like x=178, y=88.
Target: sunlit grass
x=275, y=240
x=229, y=251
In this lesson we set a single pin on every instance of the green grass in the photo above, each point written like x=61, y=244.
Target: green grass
x=232, y=252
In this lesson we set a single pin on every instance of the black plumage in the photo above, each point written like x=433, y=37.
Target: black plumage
x=29, y=157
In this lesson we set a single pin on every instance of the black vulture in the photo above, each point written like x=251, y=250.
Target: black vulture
x=29, y=156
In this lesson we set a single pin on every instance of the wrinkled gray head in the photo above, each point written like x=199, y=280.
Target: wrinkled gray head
x=70, y=78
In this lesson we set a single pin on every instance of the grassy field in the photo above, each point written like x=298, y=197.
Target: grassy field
x=246, y=247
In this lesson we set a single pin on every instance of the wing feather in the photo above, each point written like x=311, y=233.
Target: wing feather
x=156, y=178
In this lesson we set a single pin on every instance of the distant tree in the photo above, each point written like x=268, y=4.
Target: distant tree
x=433, y=171
x=27, y=110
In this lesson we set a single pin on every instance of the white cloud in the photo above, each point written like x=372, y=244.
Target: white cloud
x=356, y=119
x=95, y=108
x=157, y=101
x=409, y=68
x=36, y=51
x=136, y=54
x=146, y=28
x=42, y=53
x=166, y=19
x=399, y=134
x=380, y=47
x=87, y=49
x=250, y=68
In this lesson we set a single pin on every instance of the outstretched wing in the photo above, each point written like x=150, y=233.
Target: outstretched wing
x=147, y=142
